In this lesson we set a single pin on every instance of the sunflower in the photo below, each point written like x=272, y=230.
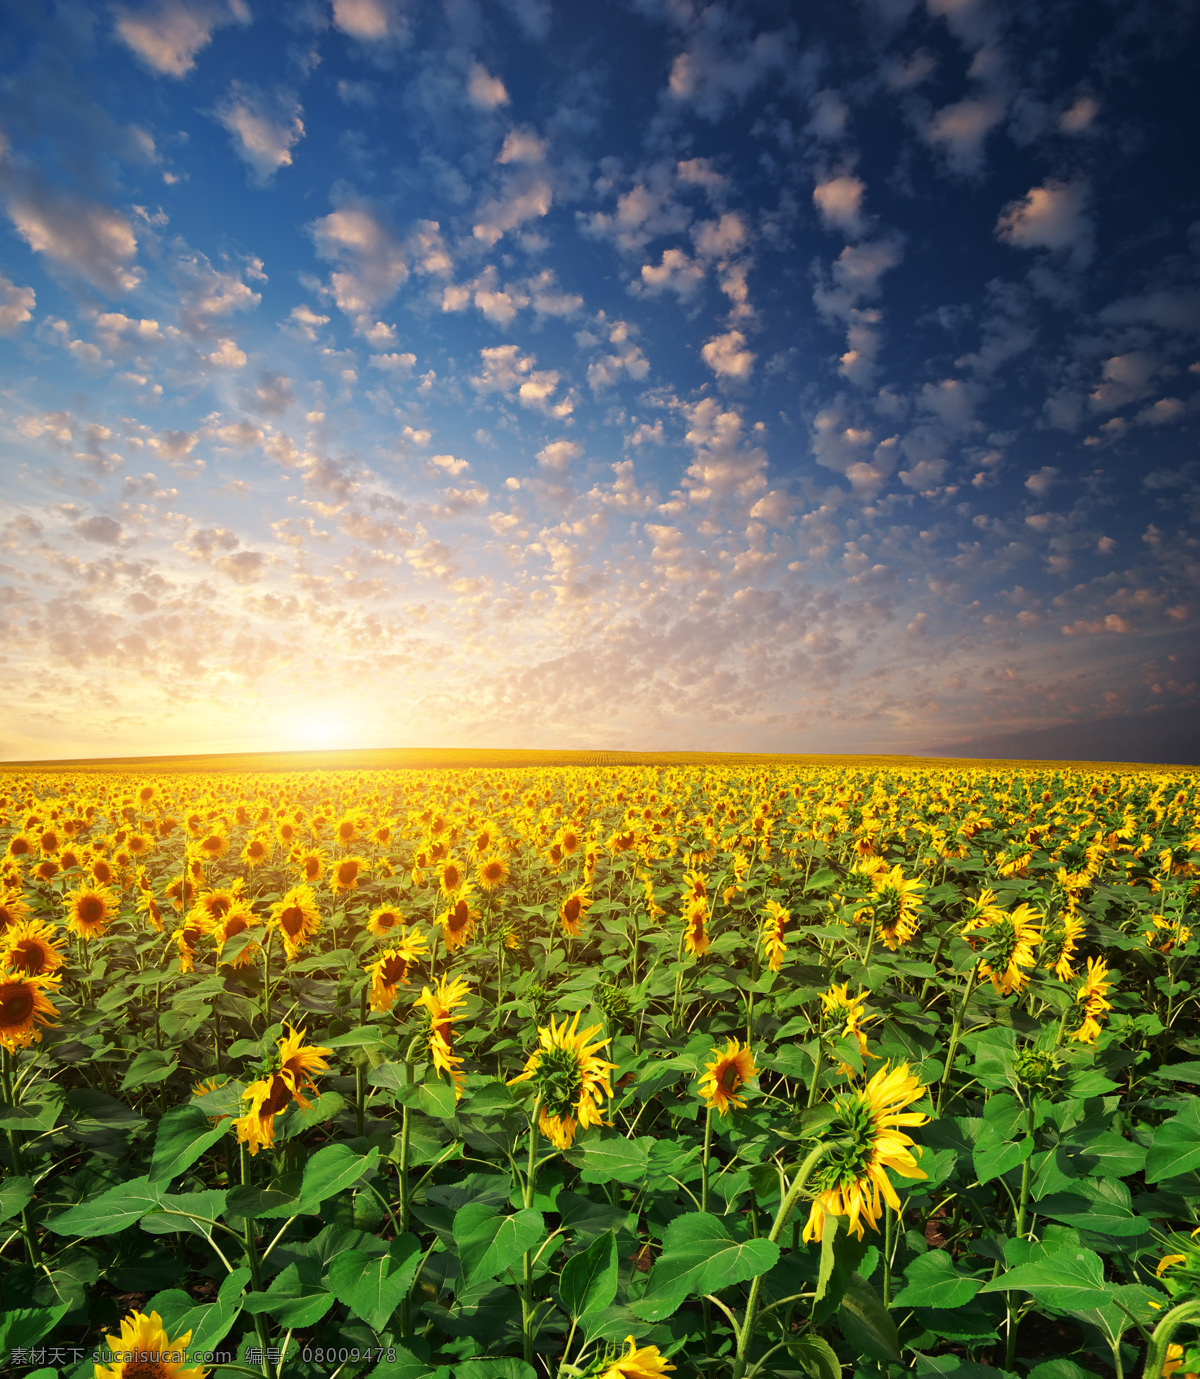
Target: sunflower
x=213, y=905
x=772, y=934
x=896, y=905
x=187, y=936
x=724, y=1075
x=695, y=938
x=393, y=967
x=346, y=829
x=286, y=833
x=1058, y=948
x=1167, y=934
x=344, y=875
x=491, y=872
x=142, y=1351
x=458, y=920
x=91, y=909
x=867, y=1140
x=1092, y=991
x=140, y=844
x=450, y=878
x=441, y=1005
x=20, y=846
x=213, y=843
x=570, y=1079
x=267, y=1097
x=101, y=870
x=838, y=1007
x=29, y=947
x=23, y=1006
x=297, y=918
x=49, y=841
x=236, y=920
x=1010, y=940
x=46, y=870
x=148, y=906
x=573, y=911
x=311, y=864
x=298, y=1063
x=384, y=920
x=257, y=850
x=637, y=1362
x=181, y=891
x=275, y=1091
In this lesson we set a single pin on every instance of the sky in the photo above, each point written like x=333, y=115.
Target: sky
x=643, y=374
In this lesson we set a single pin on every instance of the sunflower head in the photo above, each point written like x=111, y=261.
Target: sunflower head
x=570, y=1079
x=491, y=872
x=724, y=1075
x=90, y=910
x=29, y=948
x=635, y=1362
x=24, y=1006
x=143, y=1351
x=865, y=1138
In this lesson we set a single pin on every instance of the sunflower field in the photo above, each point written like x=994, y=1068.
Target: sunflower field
x=528, y=1073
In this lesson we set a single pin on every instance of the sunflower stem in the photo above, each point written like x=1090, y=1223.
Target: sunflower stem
x=254, y=1264
x=746, y=1334
x=1160, y=1337
x=818, y=1065
x=955, y=1035
x=267, y=981
x=527, y=1308
x=708, y=1115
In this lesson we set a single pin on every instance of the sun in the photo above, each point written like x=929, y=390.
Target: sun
x=313, y=731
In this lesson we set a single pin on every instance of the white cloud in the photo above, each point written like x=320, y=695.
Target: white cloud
x=1080, y=116
x=395, y=363
x=522, y=146
x=710, y=74
x=675, y=273
x=532, y=17
x=718, y=239
x=167, y=36
x=626, y=359
x=87, y=238
x=959, y=131
x=1050, y=217
x=370, y=21
x=857, y=270
x=305, y=321
x=264, y=128
x=227, y=355
x=699, y=172
x=727, y=356
x=522, y=199
x=1162, y=412
x=207, y=293
x=485, y=90
x=1125, y=378
x=372, y=262
x=16, y=306
x=646, y=211
x=1043, y=481
x=548, y=299
x=839, y=199
x=725, y=467
x=103, y=530
x=506, y=370
x=555, y=458
x=1178, y=309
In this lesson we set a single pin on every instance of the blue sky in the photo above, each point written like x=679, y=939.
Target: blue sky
x=634, y=375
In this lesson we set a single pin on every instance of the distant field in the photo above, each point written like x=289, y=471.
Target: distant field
x=437, y=758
